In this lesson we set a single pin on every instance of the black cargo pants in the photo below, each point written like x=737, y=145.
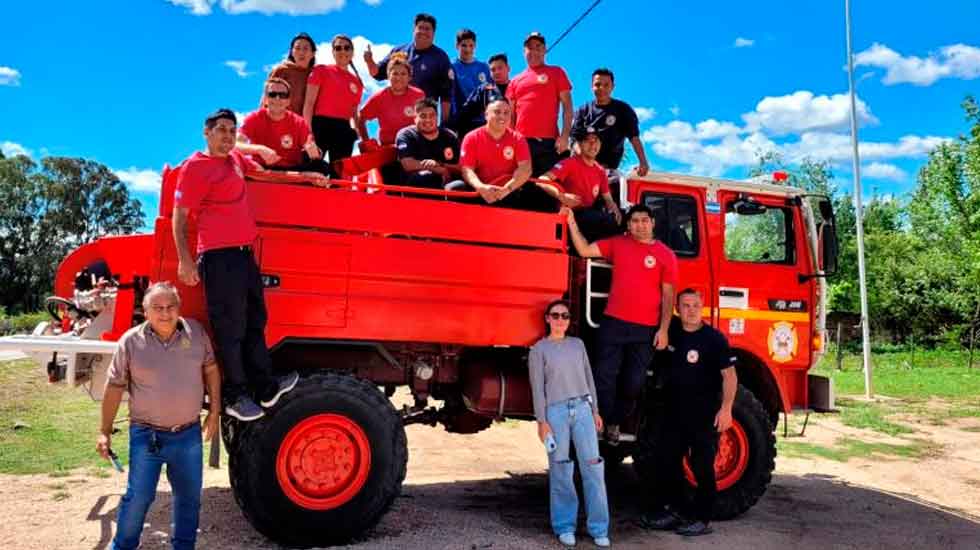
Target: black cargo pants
x=683, y=432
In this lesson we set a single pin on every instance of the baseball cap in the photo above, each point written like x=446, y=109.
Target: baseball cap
x=535, y=35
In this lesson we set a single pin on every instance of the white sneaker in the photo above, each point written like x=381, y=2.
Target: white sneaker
x=602, y=542
x=568, y=539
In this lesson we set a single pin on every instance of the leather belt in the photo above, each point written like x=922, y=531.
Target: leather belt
x=171, y=429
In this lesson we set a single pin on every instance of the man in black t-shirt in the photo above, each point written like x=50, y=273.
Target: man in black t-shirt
x=428, y=154
x=700, y=385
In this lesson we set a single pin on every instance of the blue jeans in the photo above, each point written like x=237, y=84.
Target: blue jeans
x=572, y=421
x=149, y=450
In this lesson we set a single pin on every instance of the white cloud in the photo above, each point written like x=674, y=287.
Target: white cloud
x=955, y=61
x=266, y=7
x=675, y=110
x=9, y=76
x=197, y=7
x=11, y=149
x=238, y=66
x=884, y=171
x=644, y=114
x=139, y=179
x=744, y=42
x=837, y=147
x=802, y=111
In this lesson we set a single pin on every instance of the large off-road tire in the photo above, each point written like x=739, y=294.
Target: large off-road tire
x=744, y=463
x=321, y=467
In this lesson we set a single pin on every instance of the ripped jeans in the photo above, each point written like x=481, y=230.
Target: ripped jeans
x=572, y=421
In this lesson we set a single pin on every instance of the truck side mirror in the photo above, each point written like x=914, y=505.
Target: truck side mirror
x=747, y=206
x=827, y=238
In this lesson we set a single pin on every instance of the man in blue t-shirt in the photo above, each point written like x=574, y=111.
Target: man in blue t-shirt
x=432, y=71
x=470, y=115
x=469, y=73
x=614, y=120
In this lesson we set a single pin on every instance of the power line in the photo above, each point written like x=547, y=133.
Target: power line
x=575, y=24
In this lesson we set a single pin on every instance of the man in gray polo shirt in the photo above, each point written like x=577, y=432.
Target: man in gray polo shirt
x=164, y=364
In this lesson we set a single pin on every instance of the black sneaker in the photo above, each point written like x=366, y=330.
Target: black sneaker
x=612, y=434
x=694, y=529
x=244, y=409
x=283, y=385
x=665, y=520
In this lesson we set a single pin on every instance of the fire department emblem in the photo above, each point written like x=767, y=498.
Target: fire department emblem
x=422, y=67
x=542, y=79
x=649, y=262
x=452, y=75
x=783, y=342
x=595, y=191
x=482, y=77
x=610, y=120
x=448, y=153
x=692, y=356
x=409, y=111
x=286, y=141
x=353, y=88
x=508, y=152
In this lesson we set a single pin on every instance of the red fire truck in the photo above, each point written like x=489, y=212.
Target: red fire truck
x=369, y=290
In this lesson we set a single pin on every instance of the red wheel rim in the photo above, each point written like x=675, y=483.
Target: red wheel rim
x=730, y=462
x=323, y=461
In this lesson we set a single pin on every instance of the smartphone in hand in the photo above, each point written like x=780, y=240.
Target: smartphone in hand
x=549, y=442
x=115, y=461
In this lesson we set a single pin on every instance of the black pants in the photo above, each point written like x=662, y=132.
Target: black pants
x=335, y=137
x=596, y=224
x=543, y=155
x=236, y=309
x=308, y=165
x=625, y=352
x=681, y=433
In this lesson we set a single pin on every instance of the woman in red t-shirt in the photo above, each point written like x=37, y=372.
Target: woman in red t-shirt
x=295, y=70
x=394, y=106
x=332, y=96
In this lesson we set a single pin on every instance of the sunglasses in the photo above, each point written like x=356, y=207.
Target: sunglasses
x=563, y=316
x=277, y=95
x=344, y=48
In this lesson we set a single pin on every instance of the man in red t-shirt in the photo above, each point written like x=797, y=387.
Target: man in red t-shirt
x=278, y=138
x=494, y=159
x=637, y=315
x=212, y=186
x=584, y=180
x=537, y=93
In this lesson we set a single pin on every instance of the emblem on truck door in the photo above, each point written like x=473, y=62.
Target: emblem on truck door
x=783, y=342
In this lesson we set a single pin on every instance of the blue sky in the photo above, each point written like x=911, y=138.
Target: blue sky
x=128, y=83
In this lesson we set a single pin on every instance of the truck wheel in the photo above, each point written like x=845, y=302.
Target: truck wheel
x=744, y=463
x=323, y=466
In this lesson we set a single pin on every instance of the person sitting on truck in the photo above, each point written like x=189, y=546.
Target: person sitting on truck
x=584, y=181
x=429, y=155
x=637, y=314
x=166, y=364
x=469, y=73
x=700, y=385
x=332, y=96
x=564, y=398
x=212, y=185
x=537, y=93
x=393, y=106
x=470, y=115
x=495, y=159
x=432, y=72
x=614, y=120
x=295, y=70
x=278, y=138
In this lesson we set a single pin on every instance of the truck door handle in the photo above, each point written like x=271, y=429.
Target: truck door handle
x=729, y=293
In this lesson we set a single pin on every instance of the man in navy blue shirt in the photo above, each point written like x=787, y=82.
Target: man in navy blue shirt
x=614, y=120
x=432, y=71
x=470, y=115
x=469, y=73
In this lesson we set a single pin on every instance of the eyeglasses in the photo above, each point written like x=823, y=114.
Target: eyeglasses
x=277, y=95
x=343, y=48
x=563, y=316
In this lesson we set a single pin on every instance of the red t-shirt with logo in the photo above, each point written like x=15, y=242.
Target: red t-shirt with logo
x=214, y=189
x=638, y=271
x=577, y=177
x=339, y=94
x=492, y=159
x=286, y=137
x=393, y=112
x=536, y=96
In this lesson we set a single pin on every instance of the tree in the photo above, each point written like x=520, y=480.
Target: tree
x=46, y=211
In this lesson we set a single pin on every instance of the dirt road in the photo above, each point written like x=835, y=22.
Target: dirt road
x=489, y=491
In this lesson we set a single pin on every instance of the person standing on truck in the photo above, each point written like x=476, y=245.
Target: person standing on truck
x=432, y=72
x=332, y=96
x=393, y=106
x=584, y=181
x=564, y=396
x=637, y=315
x=537, y=93
x=614, y=120
x=166, y=364
x=472, y=114
x=295, y=70
x=495, y=159
x=700, y=385
x=212, y=185
x=278, y=138
x=469, y=72
x=429, y=155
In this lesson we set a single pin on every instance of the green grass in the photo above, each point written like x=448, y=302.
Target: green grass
x=847, y=448
x=914, y=375
x=869, y=416
x=61, y=425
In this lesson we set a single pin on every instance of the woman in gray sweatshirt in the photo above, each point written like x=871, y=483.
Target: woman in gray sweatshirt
x=565, y=408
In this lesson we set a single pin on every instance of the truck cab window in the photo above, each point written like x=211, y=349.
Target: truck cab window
x=760, y=237
x=675, y=219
